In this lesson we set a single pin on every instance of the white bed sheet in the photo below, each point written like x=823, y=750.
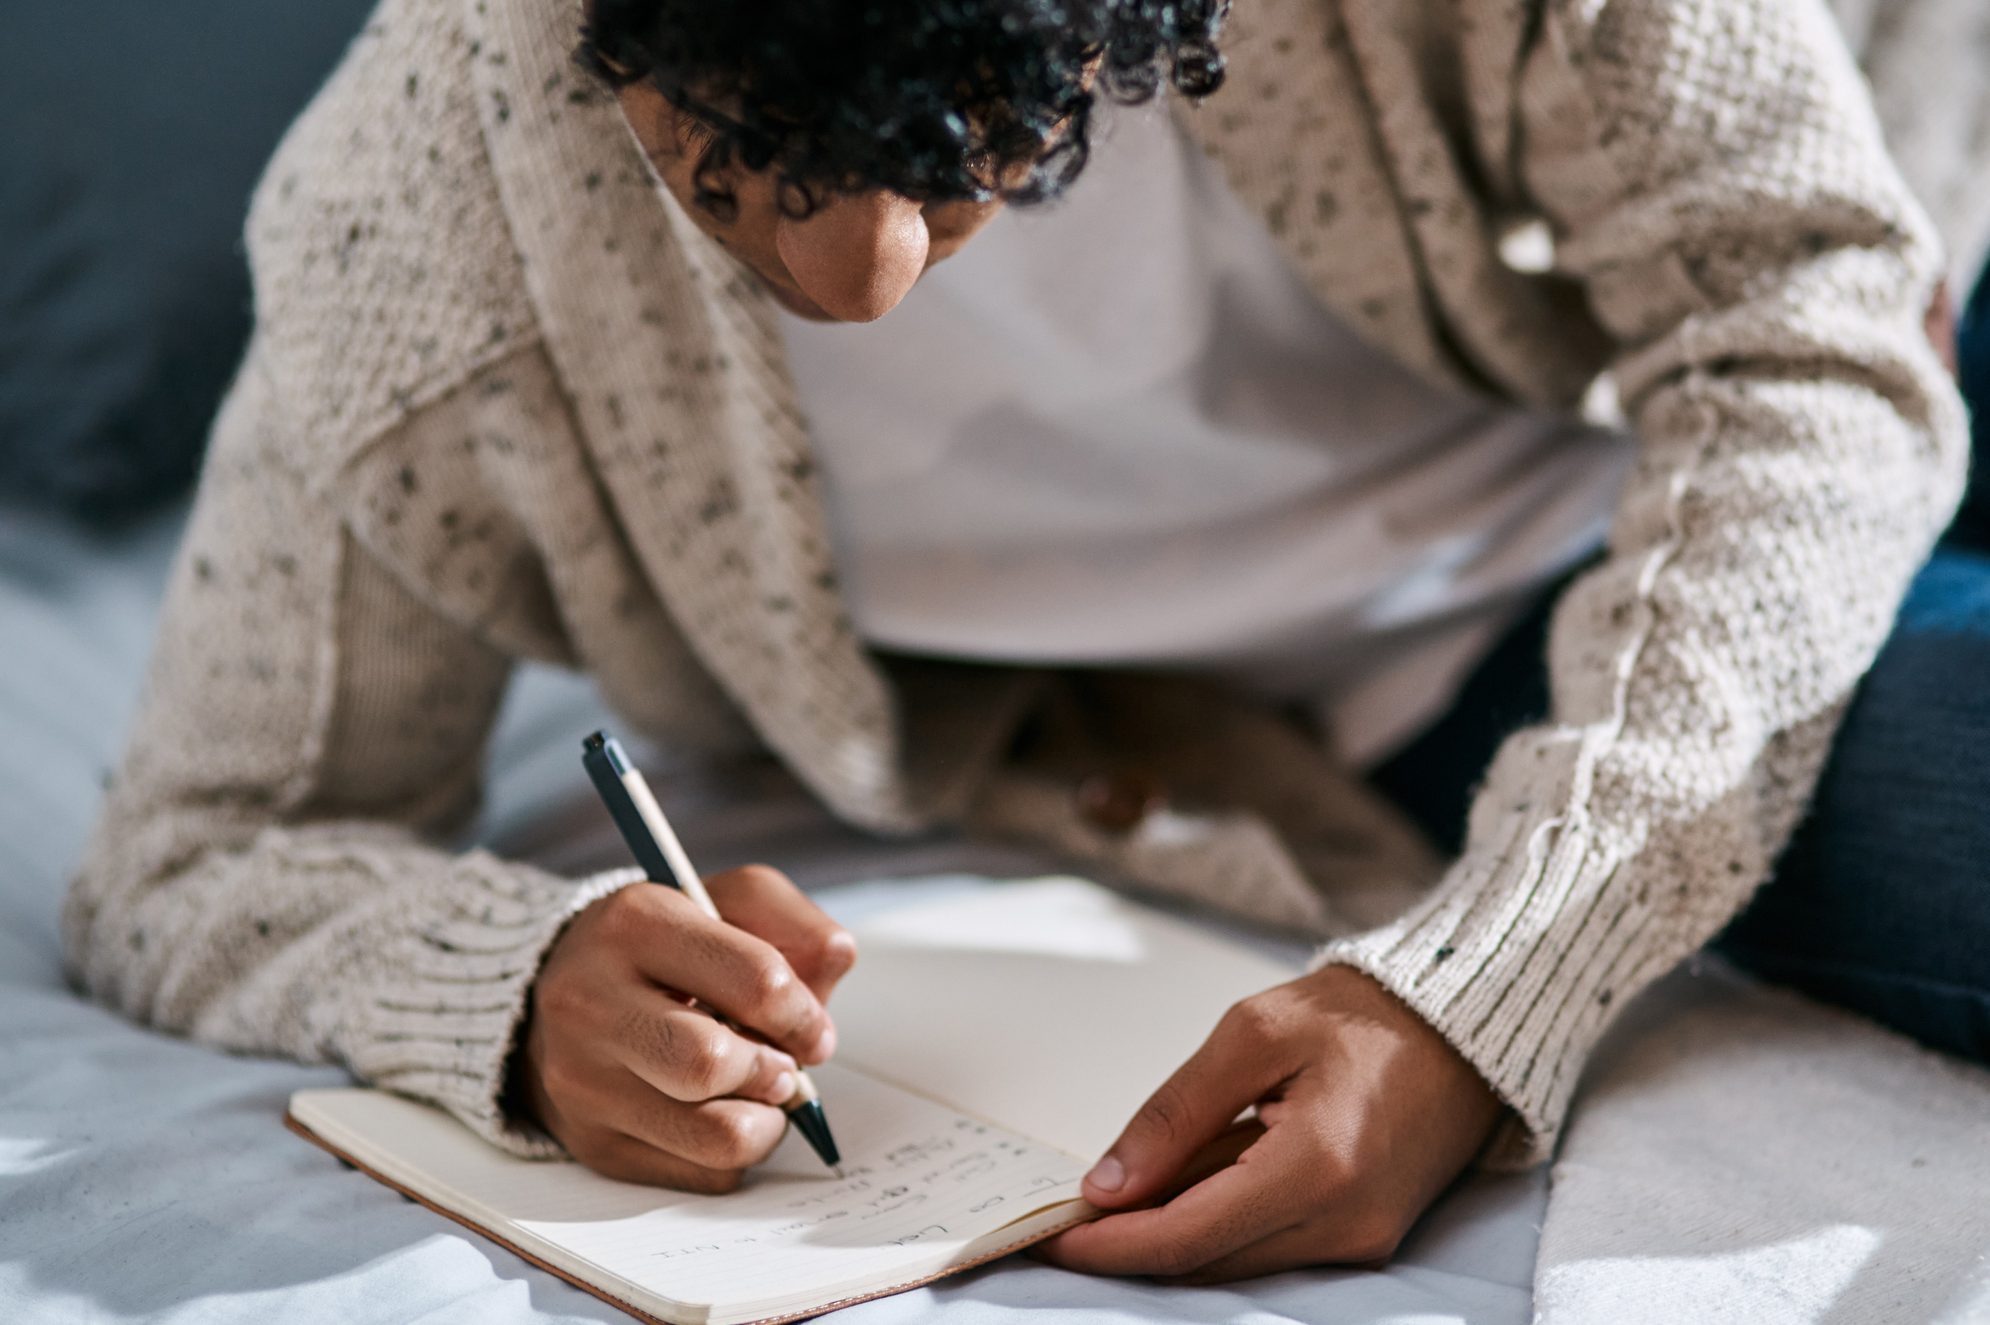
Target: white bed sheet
x=143, y=1178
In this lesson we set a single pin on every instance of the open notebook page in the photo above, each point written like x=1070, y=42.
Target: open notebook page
x=920, y=1184
x=1022, y=1025
x=1052, y=1006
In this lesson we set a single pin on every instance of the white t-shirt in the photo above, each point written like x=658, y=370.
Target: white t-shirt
x=1117, y=430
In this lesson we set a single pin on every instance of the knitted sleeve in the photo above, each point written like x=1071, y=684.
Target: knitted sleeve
x=1715, y=179
x=267, y=874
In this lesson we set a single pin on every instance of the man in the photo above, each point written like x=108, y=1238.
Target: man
x=1199, y=512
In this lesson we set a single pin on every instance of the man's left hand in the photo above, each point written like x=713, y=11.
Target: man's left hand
x=1364, y=1115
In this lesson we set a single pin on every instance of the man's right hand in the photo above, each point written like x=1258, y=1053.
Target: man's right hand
x=640, y=1087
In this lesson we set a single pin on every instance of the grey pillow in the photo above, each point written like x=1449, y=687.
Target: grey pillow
x=130, y=137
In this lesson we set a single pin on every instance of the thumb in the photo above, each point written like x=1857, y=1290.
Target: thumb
x=1230, y=1072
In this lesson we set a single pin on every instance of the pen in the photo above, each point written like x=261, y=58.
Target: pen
x=654, y=843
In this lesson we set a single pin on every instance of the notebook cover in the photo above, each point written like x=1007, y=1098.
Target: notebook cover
x=294, y=1125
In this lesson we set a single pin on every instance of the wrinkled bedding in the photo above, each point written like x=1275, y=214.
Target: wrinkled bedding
x=143, y=1178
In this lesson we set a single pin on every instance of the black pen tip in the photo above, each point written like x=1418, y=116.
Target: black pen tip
x=813, y=1124
x=595, y=742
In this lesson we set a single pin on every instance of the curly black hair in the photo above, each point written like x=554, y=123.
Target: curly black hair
x=939, y=100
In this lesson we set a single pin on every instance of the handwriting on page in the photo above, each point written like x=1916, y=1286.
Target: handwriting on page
x=918, y=1178
x=946, y=1174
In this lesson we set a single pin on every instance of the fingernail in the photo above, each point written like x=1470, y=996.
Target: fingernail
x=1108, y=1175
x=825, y=1045
x=783, y=1088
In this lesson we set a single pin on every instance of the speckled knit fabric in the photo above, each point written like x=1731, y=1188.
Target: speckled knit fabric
x=505, y=403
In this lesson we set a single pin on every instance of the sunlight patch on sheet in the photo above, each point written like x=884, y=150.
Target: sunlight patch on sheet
x=1086, y=924
x=25, y=1154
x=1795, y=1280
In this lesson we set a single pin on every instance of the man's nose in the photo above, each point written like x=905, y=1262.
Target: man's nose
x=856, y=256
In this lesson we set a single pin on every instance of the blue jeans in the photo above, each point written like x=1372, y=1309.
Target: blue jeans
x=1972, y=526
x=1881, y=903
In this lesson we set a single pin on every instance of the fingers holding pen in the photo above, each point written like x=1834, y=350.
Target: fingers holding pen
x=633, y=1081
x=688, y=1056
x=763, y=901
x=676, y=946
x=624, y=1129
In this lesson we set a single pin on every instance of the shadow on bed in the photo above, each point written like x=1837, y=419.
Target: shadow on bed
x=128, y=1203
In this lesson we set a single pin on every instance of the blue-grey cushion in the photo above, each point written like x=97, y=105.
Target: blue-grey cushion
x=130, y=138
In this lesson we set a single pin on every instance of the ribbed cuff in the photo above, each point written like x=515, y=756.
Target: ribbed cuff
x=1518, y=959
x=442, y=1026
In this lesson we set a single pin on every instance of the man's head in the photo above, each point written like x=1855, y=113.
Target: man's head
x=841, y=147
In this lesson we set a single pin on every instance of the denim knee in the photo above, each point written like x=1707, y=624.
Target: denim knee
x=1882, y=900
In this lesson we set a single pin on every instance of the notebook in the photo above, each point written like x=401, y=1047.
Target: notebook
x=992, y=1045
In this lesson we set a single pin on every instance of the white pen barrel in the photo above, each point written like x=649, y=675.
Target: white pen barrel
x=666, y=839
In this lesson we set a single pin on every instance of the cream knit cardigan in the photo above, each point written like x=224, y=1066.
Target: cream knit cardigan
x=504, y=403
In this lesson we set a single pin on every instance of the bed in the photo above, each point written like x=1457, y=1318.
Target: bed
x=146, y=1179
x=1737, y=1152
